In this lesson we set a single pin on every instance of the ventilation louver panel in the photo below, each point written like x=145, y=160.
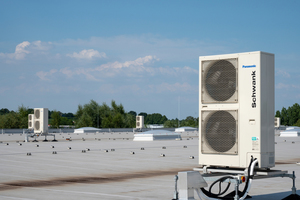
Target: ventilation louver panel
x=219, y=132
x=219, y=81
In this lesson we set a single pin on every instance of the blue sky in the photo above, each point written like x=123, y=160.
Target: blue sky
x=143, y=54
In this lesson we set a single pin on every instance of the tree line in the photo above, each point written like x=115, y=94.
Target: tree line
x=92, y=114
x=10, y=119
x=290, y=116
x=95, y=115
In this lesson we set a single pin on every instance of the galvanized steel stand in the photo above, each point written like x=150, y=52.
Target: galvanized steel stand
x=209, y=173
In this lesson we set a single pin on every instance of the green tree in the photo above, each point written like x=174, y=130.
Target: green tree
x=4, y=111
x=55, y=119
x=103, y=116
x=278, y=114
x=85, y=120
x=132, y=113
x=284, y=116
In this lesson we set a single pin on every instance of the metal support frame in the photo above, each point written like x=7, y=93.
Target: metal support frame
x=29, y=133
x=209, y=174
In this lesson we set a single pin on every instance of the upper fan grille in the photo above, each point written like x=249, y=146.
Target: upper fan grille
x=220, y=81
x=219, y=132
x=37, y=114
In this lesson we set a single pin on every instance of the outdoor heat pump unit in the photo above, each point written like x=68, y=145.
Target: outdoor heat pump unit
x=139, y=121
x=41, y=120
x=31, y=121
x=236, y=110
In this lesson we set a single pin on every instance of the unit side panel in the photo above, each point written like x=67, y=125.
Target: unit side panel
x=267, y=114
x=249, y=115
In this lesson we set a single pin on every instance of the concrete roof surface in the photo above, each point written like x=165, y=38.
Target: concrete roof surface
x=112, y=166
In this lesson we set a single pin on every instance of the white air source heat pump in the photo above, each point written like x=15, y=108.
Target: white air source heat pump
x=236, y=110
x=41, y=120
x=139, y=121
x=31, y=121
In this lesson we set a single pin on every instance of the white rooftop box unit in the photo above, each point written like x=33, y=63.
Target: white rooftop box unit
x=139, y=121
x=236, y=109
x=30, y=121
x=277, y=122
x=41, y=120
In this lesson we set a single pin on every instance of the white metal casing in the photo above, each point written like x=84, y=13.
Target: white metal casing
x=30, y=121
x=41, y=120
x=140, y=121
x=251, y=106
x=277, y=122
x=188, y=181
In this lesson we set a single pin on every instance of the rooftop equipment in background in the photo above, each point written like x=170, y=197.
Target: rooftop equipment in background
x=157, y=135
x=236, y=109
x=277, y=122
x=31, y=121
x=41, y=120
x=140, y=122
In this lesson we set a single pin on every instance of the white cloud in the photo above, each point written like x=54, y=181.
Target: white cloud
x=87, y=54
x=45, y=75
x=282, y=86
x=20, y=51
x=41, y=46
x=135, y=65
x=135, y=68
x=282, y=73
x=170, y=50
x=26, y=48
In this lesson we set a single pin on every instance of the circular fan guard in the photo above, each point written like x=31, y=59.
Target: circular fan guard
x=220, y=80
x=37, y=125
x=37, y=114
x=220, y=131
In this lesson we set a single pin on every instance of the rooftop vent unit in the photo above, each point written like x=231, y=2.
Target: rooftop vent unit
x=41, y=120
x=139, y=121
x=31, y=121
x=236, y=109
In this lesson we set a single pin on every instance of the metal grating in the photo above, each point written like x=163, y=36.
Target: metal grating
x=138, y=118
x=219, y=132
x=37, y=114
x=219, y=81
x=37, y=125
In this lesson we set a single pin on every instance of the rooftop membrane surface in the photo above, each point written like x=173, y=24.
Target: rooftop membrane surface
x=112, y=166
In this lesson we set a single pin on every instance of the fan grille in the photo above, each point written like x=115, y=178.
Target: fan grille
x=29, y=124
x=37, y=114
x=220, y=80
x=138, y=118
x=138, y=124
x=219, y=133
x=37, y=125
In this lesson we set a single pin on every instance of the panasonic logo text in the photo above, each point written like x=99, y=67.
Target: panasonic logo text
x=253, y=89
x=248, y=66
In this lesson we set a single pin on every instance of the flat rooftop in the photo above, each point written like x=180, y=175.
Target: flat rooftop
x=112, y=166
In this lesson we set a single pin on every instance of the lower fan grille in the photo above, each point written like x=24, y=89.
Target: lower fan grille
x=37, y=125
x=219, y=133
